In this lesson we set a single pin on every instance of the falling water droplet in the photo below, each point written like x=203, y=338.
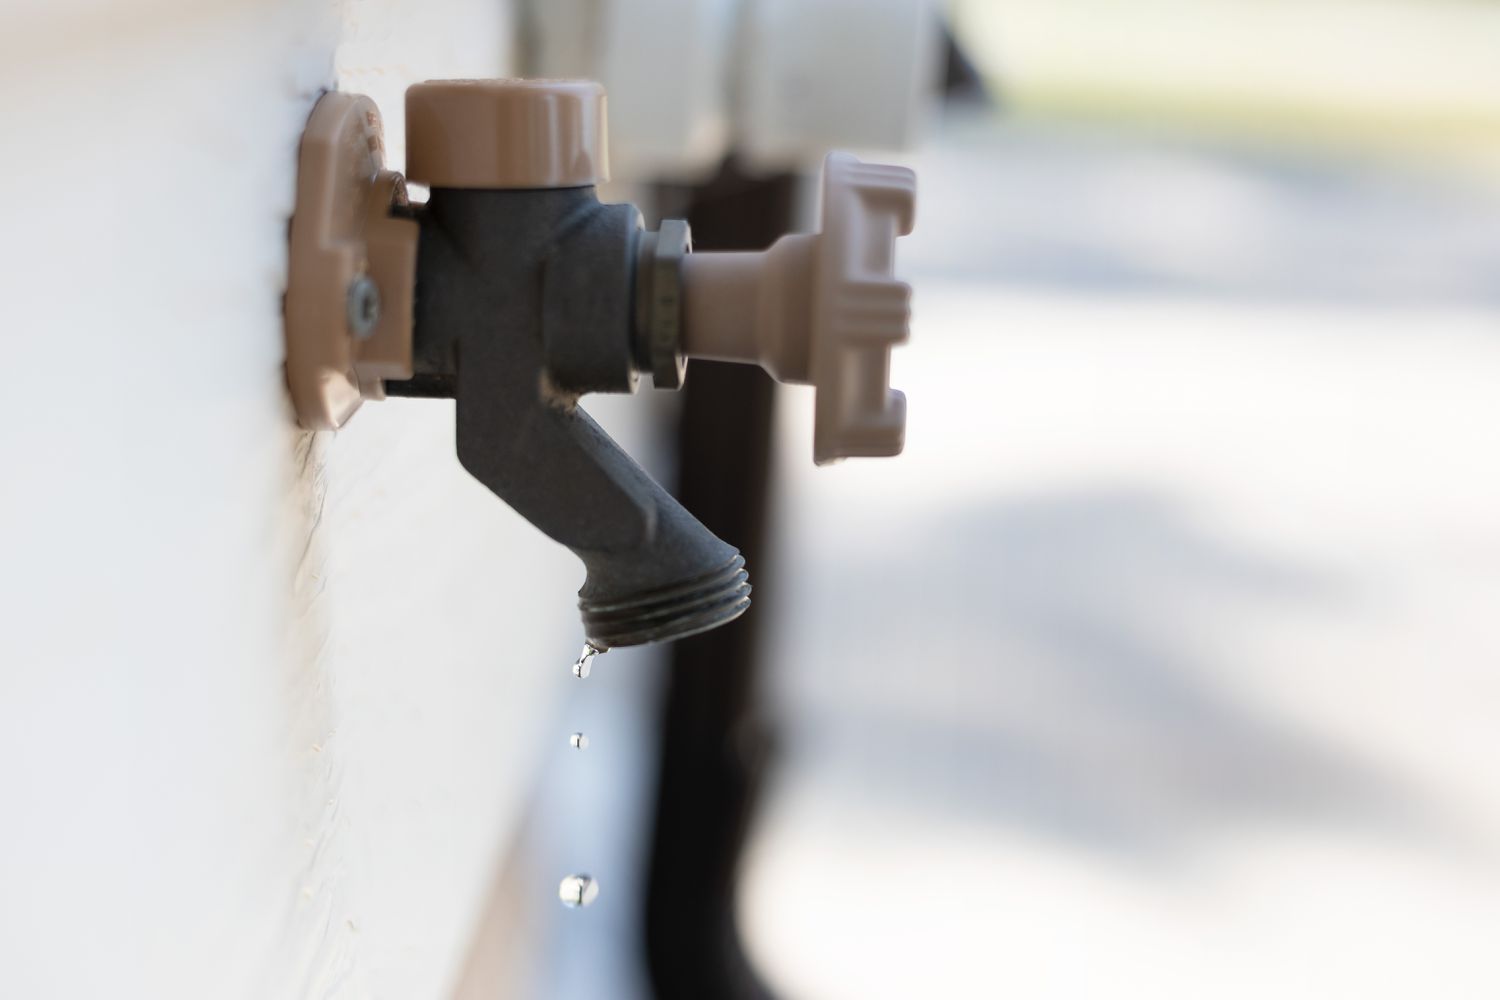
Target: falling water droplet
x=585, y=659
x=578, y=741
x=578, y=890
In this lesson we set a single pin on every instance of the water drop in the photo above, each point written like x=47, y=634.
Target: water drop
x=578, y=741
x=578, y=890
x=585, y=659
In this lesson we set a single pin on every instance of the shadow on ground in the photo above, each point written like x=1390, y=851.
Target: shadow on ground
x=1064, y=664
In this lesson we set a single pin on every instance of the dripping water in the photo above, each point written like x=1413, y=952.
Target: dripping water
x=578, y=890
x=582, y=665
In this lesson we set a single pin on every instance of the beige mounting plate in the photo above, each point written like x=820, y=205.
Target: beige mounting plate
x=343, y=233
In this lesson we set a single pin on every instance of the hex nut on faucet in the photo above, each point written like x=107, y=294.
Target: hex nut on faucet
x=515, y=291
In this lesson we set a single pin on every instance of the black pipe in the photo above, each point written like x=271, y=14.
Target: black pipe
x=714, y=746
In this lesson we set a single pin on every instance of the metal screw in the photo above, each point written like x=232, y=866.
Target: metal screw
x=362, y=306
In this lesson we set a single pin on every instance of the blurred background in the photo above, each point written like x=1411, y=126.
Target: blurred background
x=1163, y=662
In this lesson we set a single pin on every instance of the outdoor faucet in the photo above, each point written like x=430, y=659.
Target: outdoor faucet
x=514, y=291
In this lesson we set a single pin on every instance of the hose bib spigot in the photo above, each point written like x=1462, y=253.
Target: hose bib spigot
x=515, y=291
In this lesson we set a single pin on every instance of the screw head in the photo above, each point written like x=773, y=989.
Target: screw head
x=362, y=306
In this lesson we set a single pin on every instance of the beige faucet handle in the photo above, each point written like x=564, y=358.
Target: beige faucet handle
x=860, y=310
x=822, y=309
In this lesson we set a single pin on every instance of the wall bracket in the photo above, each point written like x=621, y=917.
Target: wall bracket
x=352, y=268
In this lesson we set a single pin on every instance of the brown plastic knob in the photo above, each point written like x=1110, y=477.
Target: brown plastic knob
x=498, y=134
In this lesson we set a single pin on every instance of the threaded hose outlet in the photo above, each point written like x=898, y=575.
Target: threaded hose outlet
x=667, y=613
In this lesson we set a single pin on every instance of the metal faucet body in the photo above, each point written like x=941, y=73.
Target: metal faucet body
x=526, y=299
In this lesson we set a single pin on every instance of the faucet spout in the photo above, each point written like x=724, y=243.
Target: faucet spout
x=655, y=573
x=672, y=579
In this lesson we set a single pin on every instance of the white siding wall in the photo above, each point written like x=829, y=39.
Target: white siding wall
x=268, y=701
